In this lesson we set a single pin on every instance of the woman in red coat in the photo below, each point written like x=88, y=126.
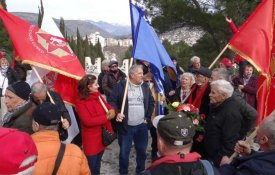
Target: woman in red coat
x=94, y=113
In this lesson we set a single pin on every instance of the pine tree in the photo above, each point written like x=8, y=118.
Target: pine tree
x=87, y=48
x=5, y=43
x=62, y=27
x=3, y=4
x=40, y=14
x=80, y=49
x=99, y=50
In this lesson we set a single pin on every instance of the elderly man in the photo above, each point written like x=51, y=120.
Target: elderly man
x=19, y=153
x=195, y=64
x=132, y=122
x=224, y=122
x=39, y=95
x=46, y=118
x=253, y=162
x=19, y=107
x=248, y=112
x=175, y=136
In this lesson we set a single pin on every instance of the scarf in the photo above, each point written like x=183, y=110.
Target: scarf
x=18, y=109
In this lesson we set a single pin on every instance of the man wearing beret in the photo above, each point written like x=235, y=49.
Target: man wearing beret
x=46, y=118
x=175, y=136
x=19, y=107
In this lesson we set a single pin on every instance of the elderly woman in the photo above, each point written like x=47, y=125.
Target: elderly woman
x=19, y=107
x=187, y=80
x=91, y=108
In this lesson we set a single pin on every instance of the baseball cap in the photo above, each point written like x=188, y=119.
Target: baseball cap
x=16, y=146
x=46, y=114
x=227, y=62
x=175, y=128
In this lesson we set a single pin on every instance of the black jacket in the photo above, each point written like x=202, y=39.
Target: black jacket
x=116, y=99
x=223, y=130
x=255, y=164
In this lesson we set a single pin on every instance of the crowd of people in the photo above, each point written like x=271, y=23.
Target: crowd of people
x=36, y=121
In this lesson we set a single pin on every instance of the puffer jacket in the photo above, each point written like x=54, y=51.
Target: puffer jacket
x=47, y=142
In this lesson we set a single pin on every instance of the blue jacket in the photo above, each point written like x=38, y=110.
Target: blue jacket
x=116, y=99
x=258, y=163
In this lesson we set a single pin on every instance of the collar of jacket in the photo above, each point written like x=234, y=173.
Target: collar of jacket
x=45, y=136
x=191, y=157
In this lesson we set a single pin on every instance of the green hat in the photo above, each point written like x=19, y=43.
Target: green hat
x=175, y=128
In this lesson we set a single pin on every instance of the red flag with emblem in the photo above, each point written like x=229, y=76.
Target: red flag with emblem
x=36, y=47
x=255, y=43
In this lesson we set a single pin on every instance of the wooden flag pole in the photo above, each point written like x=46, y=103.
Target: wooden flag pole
x=249, y=139
x=103, y=105
x=126, y=89
x=40, y=79
x=217, y=58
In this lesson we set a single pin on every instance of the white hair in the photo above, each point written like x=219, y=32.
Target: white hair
x=134, y=68
x=222, y=73
x=189, y=75
x=268, y=125
x=224, y=87
x=195, y=58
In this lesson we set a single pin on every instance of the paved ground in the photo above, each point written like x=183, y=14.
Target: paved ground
x=110, y=160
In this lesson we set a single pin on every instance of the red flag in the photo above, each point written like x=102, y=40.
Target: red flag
x=36, y=47
x=254, y=42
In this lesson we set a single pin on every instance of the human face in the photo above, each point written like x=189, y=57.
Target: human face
x=221, y=65
x=4, y=63
x=185, y=82
x=137, y=76
x=39, y=97
x=175, y=62
x=93, y=87
x=248, y=71
x=216, y=97
x=200, y=79
x=11, y=100
x=196, y=64
x=215, y=76
x=149, y=81
x=114, y=68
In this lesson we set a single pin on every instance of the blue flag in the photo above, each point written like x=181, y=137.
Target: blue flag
x=148, y=47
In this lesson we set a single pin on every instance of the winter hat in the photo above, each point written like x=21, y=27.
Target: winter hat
x=21, y=89
x=16, y=147
x=113, y=62
x=46, y=114
x=227, y=62
x=175, y=128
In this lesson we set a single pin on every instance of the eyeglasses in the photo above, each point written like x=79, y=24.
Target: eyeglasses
x=149, y=81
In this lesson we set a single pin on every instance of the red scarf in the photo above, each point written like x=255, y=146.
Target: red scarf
x=191, y=157
x=197, y=101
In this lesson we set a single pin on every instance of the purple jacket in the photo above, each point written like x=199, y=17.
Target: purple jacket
x=250, y=89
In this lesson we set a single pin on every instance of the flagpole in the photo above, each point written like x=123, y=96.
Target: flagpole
x=40, y=79
x=217, y=58
x=247, y=140
x=126, y=89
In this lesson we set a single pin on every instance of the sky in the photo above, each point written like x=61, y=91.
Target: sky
x=112, y=11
